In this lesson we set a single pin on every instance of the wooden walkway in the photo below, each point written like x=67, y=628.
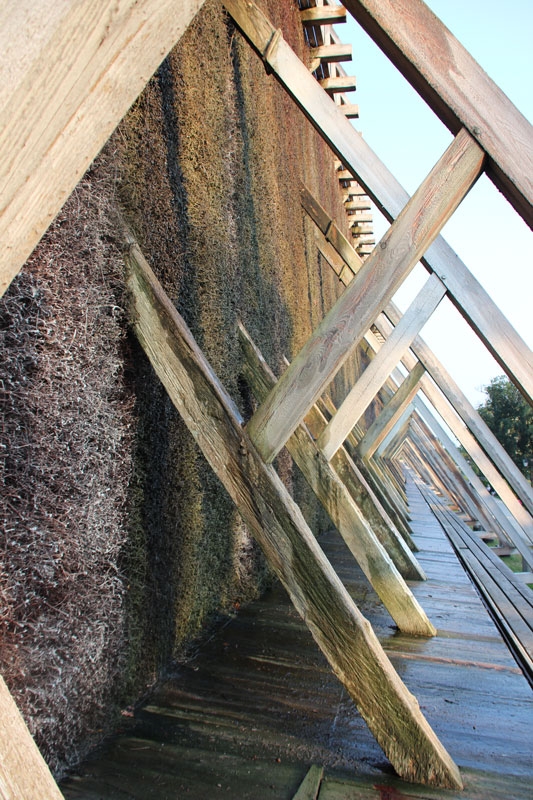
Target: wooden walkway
x=258, y=704
x=509, y=601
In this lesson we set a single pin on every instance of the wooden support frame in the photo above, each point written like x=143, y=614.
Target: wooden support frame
x=337, y=335
x=84, y=64
x=349, y=264
x=345, y=637
x=467, y=413
x=373, y=377
x=376, y=562
x=378, y=509
x=390, y=414
x=472, y=486
x=467, y=294
x=456, y=88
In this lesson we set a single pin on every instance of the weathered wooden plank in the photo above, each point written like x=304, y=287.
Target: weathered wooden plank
x=369, y=553
x=339, y=83
x=442, y=378
x=358, y=205
x=342, y=328
x=366, y=387
x=473, y=302
x=310, y=786
x=342, y=633
x=390, y=414
x=456, y=88
x=24, y=774
x=323, y=15
x=470, y=416
x=350, y=110
x=329, y=53
x=69, y=71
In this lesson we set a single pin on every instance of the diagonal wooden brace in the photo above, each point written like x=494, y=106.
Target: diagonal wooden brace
x=374, y=557
x=344, y=636
x=336, y=337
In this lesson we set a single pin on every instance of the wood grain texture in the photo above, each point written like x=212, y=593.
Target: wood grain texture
x=343, y=259
x=24, y=774
x=338, y=334
x=472, y=486
x=69, y=71
x=470, y=417
x=472, y=301
x=367, y=386
x=373, y=558
x=310, y=786
x=345, y=637
x=453, y=84
x=390, y=414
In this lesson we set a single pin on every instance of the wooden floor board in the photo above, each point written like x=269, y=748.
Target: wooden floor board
x=257, y=704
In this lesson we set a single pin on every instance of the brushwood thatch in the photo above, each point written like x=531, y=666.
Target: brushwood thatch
x=120, y=546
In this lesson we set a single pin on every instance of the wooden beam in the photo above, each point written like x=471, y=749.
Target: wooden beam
x=69, y=71
x=338, y=334
x=342, y=633
x=310, y=786
x=339, y=83
x=24, y=774
x=473, y=302
x=323, y=15
x=453, y=84
x=364, y=545
x=442, y=378
x=473, y=489
x=350, y=110
x=358, y=205
x=367, y=386
x=329, y=53
x=359, y=483
x=391, y=412
x=470, y=417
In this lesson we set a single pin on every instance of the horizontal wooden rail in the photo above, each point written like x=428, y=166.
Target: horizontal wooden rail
x=69, y=71
x=453, y=84
x=342, y=633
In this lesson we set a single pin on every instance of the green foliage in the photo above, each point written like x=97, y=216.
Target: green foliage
x=510, y=418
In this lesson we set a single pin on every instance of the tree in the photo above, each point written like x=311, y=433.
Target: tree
x=510, y=418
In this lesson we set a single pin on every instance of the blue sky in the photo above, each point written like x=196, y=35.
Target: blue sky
x=488, y=235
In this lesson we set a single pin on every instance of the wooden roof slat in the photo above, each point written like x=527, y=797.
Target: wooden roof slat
x=323, y=15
